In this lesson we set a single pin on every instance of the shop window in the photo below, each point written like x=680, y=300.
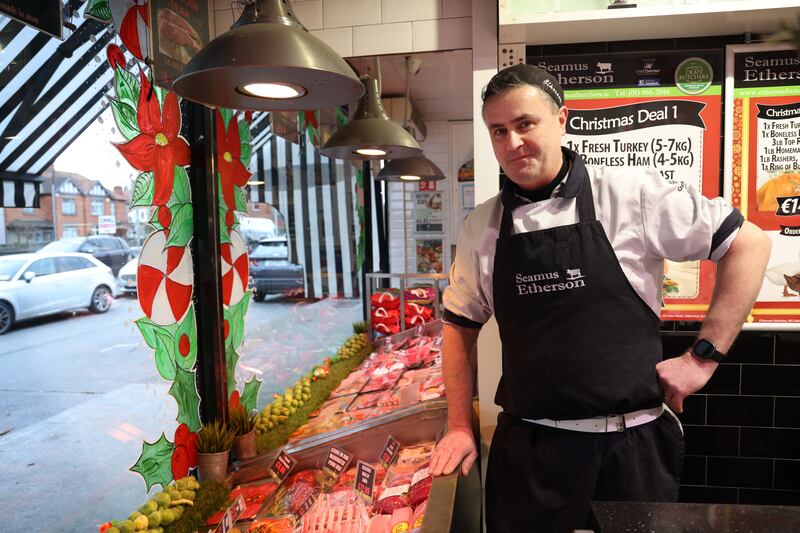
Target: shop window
x=68, y=207
x=98, y=207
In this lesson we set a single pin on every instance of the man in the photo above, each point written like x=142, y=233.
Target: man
x=569, y=259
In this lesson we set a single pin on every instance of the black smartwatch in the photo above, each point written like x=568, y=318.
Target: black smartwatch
x=705, y=349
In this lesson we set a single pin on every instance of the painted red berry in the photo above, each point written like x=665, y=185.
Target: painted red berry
x=181, y=433
x=116, y=58
x=235, y=399
x=229, y=219
x=184, y=345
x=164, y=216
x=191, y=449
x=226, y=329
x=180, y=463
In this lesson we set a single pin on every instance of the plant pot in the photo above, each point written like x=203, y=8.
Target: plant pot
x=212, y=466
x=244, y=447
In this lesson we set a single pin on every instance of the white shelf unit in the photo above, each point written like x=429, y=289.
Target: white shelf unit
x=655, y=22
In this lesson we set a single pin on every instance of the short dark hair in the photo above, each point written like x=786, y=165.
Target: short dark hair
x=522, y=75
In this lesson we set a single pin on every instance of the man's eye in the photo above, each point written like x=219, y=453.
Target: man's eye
x=525, y=124
x=499, y=133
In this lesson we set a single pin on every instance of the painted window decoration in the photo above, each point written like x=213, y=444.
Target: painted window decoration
x=149, y=119
x=234, y=153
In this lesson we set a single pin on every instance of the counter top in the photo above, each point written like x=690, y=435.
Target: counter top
x=640, y=517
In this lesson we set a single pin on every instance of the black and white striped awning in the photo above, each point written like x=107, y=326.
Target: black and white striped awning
x=19, y=191
x=50, y=91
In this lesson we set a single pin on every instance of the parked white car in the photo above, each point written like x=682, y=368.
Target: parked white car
x=126, y=279
x=39, y=284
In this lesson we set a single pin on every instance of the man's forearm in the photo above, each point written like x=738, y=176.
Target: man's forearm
x=740, y=274
x=458, y=374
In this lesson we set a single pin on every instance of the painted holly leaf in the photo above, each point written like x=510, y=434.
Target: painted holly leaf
x=154, y=222
x=181, y=229
x=244, y=138
x=127, y=88
x=149, y=329
x=227, y=115
x=184, y=390
x=224, y=232
x=165, y=354
x=241, y=200
x=143, y=190
x=180, y=191
x=155, y=462
x=235, y=317
x=98, y=10
x=231, y=360
x=125, y=117
x=186, y=341
x=250, y=395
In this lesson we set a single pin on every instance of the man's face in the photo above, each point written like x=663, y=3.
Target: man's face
x=526, y=135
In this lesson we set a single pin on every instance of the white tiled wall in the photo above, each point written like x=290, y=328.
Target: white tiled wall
x=402, y=238
x=369, y=27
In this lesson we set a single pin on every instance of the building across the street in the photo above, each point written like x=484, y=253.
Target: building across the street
x=70, y=206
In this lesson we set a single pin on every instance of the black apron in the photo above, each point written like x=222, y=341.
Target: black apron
x=578, y=341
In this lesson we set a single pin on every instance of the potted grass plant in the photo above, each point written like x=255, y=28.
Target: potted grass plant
x=243, y=424
x=214, y=442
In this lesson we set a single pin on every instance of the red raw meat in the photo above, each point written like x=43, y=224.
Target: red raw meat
x=391, y=498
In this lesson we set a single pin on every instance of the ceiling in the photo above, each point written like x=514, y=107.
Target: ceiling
x=440, y=90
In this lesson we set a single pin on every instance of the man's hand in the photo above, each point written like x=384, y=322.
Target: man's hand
x=682, y=376
x=457, y=446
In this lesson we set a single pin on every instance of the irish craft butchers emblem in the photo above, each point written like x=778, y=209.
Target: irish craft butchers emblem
x=549, y=282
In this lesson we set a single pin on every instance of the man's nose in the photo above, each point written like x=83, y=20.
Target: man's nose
x=513, y=141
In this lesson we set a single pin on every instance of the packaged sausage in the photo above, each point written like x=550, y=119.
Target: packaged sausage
x=419, y=516
x=401, y=520
x=380, y=523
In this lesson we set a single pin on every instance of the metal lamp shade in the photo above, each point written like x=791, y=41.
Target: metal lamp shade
x=419, y=166
x=272, y=47
x=371, y=129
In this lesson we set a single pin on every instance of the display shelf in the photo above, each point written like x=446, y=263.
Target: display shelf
x=666, y=21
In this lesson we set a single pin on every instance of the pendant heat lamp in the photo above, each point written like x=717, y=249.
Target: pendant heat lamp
x=268, y=61
x=371, y=135
x=417, y=168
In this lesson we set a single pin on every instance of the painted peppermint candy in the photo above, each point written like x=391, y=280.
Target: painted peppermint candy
x=235, y=270
x=131, y=19
x=165, y=280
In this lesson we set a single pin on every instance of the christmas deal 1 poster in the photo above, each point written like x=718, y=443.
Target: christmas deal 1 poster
x=762, y=165
x=660, y=110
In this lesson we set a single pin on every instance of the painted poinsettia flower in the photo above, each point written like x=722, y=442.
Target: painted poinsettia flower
x=157, y=148
x=116, y=57
x=229, y=150
x=129, y=30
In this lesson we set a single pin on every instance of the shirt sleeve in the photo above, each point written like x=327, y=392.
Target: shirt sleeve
x=681, y=224
x=464, y=300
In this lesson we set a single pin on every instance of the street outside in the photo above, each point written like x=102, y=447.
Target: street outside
x=80, y=392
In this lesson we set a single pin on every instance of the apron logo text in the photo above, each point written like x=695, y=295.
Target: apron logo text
x=531, y=284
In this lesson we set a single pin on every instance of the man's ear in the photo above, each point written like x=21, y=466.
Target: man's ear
x=562, y=118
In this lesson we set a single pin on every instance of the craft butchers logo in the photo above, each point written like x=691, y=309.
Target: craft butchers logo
x=549, y=282
x=694, y=75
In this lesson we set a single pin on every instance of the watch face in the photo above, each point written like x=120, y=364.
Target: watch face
x=704, y=348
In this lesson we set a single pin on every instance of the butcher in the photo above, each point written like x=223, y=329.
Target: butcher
x=569, y=259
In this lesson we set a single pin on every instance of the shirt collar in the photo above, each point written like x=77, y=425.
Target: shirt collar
x=569, y=188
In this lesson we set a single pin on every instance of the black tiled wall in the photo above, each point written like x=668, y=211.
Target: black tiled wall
x=742, y=429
